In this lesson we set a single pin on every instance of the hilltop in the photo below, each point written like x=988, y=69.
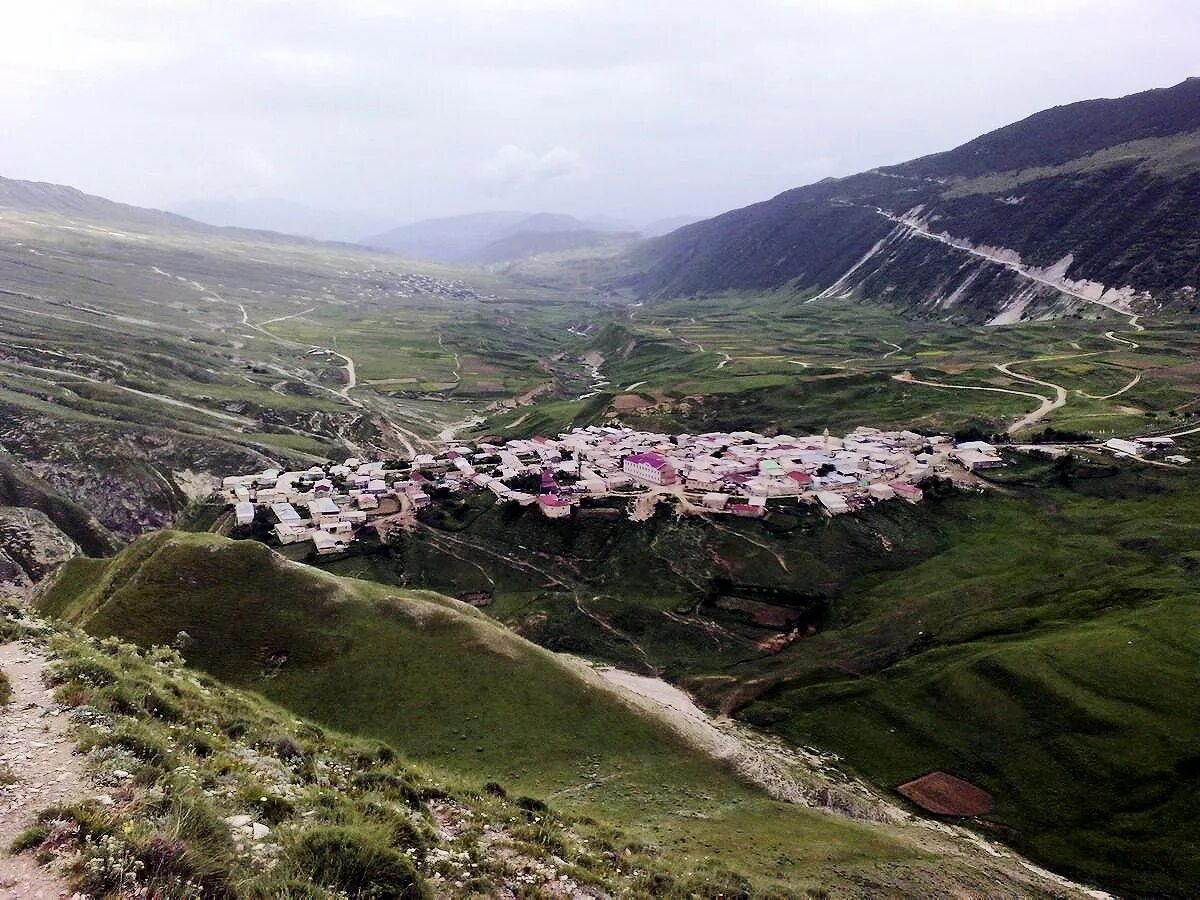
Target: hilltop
x=449, y=688
x=1071, y=210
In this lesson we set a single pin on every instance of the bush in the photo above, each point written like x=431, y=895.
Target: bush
x=6, y=690
x=29, y=838
x=93, y=672
x=355, y=862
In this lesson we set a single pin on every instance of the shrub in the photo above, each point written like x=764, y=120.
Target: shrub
x=6, y=690
x=140, y=741
x=93, y=672
x=531, y=804
x=390, y=785
x=355, y=862
x=29, y=838
x=92, y=819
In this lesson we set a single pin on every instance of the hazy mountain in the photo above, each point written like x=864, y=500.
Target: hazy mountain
x=273, y=214
x=1090, y=202
x=60, y=199
x=534, y=243
x=665, y=226
x=463, y=238
x=68, y=201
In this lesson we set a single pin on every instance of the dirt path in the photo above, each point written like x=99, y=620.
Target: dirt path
x=36, y=748
x=1048, y=405
x=1136, y=379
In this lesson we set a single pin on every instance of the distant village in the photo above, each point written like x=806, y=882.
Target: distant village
x=736, y=473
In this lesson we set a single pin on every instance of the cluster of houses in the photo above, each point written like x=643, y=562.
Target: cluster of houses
x=324, y=504
x=719, y=473
x=1145, y=447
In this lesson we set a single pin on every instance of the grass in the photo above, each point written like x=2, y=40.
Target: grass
x=1035, y=641
x=346, y=816
x=449, y=688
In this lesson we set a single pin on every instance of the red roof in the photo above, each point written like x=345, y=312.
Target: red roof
x=800, y=477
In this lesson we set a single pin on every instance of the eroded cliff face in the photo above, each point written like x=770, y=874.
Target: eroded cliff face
x=31, y=548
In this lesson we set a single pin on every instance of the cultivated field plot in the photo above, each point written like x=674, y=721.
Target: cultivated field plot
x=946, y=795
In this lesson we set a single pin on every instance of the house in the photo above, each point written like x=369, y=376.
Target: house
x=554, y=506
x=881, y=491
x=649, y=467
x=1156, y=443
x=322, y=507
x=715, y=500
x=285, y=513
x=327, y=543
x=290, y=532
x=803, y=479
x=906, y=491
x=834, y=504
x=1178, y=460
x=1122, y=447
x=973, y=460
x=244, y=513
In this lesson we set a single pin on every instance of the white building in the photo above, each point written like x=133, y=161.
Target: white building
x=244, y=513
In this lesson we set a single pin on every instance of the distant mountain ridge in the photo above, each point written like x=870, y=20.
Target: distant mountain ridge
x=466, y=238
x=61, y=199
x=283, y=216
x=1090, y=203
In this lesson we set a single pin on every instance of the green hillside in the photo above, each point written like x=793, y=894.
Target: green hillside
x=1039, y=640
x=448, y=687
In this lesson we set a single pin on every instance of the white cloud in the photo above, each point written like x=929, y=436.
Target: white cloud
x=415, y=108
x=512, y=166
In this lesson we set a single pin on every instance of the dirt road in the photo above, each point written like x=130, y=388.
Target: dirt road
x=37, y=749
x=1048, y=405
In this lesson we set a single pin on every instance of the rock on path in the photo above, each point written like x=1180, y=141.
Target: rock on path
x=37, y=749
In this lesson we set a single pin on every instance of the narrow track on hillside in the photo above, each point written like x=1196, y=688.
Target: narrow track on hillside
x=39, y=752
x=1048, y=405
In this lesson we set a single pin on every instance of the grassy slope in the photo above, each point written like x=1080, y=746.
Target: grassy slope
x=1063, y=647
x=448, y=687
x=1037, y=641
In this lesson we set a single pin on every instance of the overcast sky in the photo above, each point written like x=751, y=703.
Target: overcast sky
x=628, y=108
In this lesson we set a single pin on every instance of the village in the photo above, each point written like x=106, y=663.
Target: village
x=736, y=473
x=716, y=474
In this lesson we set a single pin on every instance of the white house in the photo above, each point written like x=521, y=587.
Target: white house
x=835, y=504
x=244, y=513
x=1123, y=447
x=649, y=467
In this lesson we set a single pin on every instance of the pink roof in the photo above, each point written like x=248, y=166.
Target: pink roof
x=648, y=459
x=552, y=500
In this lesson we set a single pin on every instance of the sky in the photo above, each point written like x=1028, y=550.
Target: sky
x=633, y=109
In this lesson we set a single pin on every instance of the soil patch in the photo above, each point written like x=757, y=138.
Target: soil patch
x=947, y=796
